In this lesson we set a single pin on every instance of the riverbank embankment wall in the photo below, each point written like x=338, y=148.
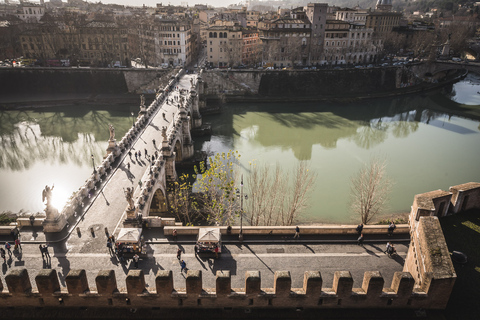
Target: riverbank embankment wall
x=51, y=81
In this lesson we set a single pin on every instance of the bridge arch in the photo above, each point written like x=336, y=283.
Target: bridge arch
x=159, y=203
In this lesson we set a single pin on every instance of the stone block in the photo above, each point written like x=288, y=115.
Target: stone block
x=282, y=283
x=223, y=282
x=135, y=282
x=164, y=282
x=252, y=282
x=342, y=283
x=402, y=284
x=106, y=282
x=194, y=282
x=373, y=283
x=312, y=283
x=47, y=281
x=18, y=281
x=76, y=281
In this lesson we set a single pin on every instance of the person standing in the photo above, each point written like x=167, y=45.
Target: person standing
x=183, y=265
x=154, y=143
x=128, y=166
x=110, y=247
x=135, y=259
x=7, y=247
x=297, y=233
x=45, y=250
x=179, y=254
x=391, y=227
x=41, y=250
x=216, y=252
x=17, y=244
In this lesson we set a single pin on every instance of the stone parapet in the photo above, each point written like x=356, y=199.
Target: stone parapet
x=138, y=294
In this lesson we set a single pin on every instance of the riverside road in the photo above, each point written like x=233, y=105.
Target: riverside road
x=86, y=250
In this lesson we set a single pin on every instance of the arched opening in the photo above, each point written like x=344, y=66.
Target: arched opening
x=178, y=151
x=159, y=203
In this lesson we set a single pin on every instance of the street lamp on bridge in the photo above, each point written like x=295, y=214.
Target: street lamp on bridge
x=133, y=119
x=93, y=164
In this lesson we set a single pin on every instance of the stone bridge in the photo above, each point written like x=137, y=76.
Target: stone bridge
x=169, y=120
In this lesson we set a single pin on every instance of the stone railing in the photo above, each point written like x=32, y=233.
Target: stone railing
x=78, y=293
x=290, y=230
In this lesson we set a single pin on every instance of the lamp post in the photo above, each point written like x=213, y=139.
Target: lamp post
x=240, y=235
x=133, y=119
x=93, y=164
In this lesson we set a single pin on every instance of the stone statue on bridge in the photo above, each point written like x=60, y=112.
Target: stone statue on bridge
x=164, y=133
x=47, y=195
x=112, y=132
x=142, y=100
x=129, y=197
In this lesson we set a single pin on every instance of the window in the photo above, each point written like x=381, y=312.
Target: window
x=210, y=49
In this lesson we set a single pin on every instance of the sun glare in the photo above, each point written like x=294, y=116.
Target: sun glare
x=59, y=197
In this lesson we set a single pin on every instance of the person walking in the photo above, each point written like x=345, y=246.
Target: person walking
x=389, y=244
x=130, y=154
x=135, y=259
x=179, y=253
x=45, y=250
x=17, y=244
x=128, y=166
x=139, y=154
x=110, y=247
x=41, y=250
x=359, y=228
x=216, y=252
x=146, y=154
x=136, y=156
x=7, y=247
x=183, y=265
x=297, y=233
x=360, y=240
x=163, y=115
x=154, y=143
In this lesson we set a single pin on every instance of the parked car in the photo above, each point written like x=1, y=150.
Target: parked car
x=456, y=59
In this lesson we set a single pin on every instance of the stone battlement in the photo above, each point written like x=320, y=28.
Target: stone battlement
x=138, y=294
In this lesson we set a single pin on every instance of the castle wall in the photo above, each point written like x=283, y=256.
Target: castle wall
x=138, y=294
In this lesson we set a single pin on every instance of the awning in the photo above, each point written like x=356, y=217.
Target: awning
x=209, y=234
x=129, y=235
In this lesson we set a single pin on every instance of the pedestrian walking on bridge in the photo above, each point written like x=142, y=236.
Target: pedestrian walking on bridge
x=179, y=253
x=7, y=247
x=135, y=260
x=360, y=240
x=128, y=166
x=183, y=265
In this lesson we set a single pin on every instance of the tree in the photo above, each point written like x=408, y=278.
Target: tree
x=370, y=190
x=274, y=198
x=183, y=203
x=216, y=187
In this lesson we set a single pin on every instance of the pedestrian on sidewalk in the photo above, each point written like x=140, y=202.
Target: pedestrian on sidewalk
x=389, y=244
x=359, y=228
x=360, y=240
x=135, y=259
x=174, y=234
x=297, y=233
x=183, y=265
x=41, y=250
x=130, y=154
x=179, y=253
x=110, y=247
x=139, y=154
x=128, y=166
x=45, y=250
x=146, y=154
x=136, y=157
x=154, y=143
x=17, y=244
x=163, y=115
x=7, y=247
x=216, y=252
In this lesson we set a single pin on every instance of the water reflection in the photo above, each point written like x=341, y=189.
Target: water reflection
x=53, y=146
x=413, y=132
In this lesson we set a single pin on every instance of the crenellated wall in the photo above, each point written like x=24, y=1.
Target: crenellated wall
x=192, y=294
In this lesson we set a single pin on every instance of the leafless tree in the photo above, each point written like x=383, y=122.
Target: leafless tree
x=370, y=190
x=274, y=197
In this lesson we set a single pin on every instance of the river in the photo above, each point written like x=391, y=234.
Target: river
x=429, y=141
